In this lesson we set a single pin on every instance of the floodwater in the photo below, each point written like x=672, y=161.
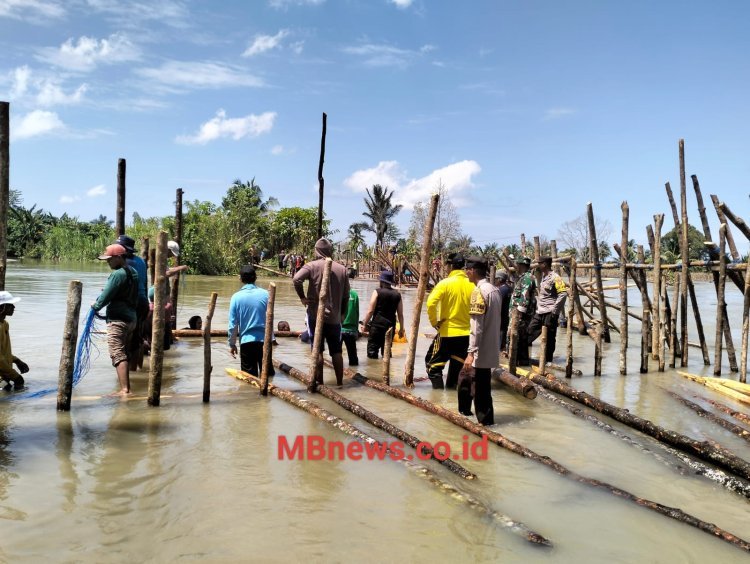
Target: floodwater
x=118, y=481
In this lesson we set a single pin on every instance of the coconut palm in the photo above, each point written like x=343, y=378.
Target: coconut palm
x=356, y=238
x=380, y=211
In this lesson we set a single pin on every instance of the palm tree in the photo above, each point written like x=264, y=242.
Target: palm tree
x=380, y=211
x=355, y=235
x=242, y=194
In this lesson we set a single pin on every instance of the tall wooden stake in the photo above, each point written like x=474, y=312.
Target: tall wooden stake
x=4, y=187
x=513, y=341
x=70, y=338
x=745, y=325
x=645, y=344
x=178, y=260
x=575, y=298
x=594, y=250
x=145, y=249
x=723, y=219
x=207, y=366
x=569, y=338
x=598, y=352
x=543, y=351
x=387, y=350
x=673, y=342
x=120, y=212
x=424, y=269
x=662, y=328
x=685, y=258
x=624, y=291
x=656, y=308
x=720, y=298
x=321, y=182
x=268, y=341
x=316, y=358
x=157, y=331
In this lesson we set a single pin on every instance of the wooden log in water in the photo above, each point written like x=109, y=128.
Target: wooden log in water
x=268, y=341
x=424, y=269
x=517, y=448
x=728, y=425
x=673, y=340
x=523, y=387
x=207, y=366
x=726, y=409
x=513, y=340
x=314, y=409
x=159, y=323
x=558, y=367
x=70, y=338
x=644, y=343
x=378, y=422
x=717, y=455
x=542, y=366
x=662, y=328
x=189, y=333
x=316, y=358
x=717, y=385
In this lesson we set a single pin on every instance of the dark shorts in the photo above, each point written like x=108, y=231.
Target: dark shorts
x=331, y=335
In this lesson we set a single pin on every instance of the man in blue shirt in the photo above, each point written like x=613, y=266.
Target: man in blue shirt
x=142, y=309
x=247, y=318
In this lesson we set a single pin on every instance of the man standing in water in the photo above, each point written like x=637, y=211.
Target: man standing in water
x=385, y=306
x=552, y=294
x=523, y=301
x=7, y=360
x=484, y=344
x=247, y=318
x=335, y=307
x=120, y=295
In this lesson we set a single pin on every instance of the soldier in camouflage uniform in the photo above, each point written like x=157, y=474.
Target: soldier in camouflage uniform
x=523, y=300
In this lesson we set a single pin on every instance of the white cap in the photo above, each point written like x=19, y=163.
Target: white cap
x=7, y=298
x=174, y=248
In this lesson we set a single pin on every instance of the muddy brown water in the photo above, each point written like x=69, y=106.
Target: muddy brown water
x=118, y=481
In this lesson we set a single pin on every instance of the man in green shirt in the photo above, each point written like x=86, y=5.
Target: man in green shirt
x=350, y=326
x=120, y=295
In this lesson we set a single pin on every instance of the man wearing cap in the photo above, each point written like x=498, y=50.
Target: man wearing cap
x=142, y=310
x=523, y=300
x=385, y=306
x=552, y=294
x=501, y=283
x=7, y=360
x=448, y=311
x=336, y=302
x=484, y=344
x=247, y=318
x=120, y=295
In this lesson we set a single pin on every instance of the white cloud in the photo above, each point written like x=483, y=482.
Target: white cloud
x=428, y=47
x=20, y=81
x=31, y=10
x=27, y=87
x=382, y=55
x=456, y=178
x=402, y=4
x=557, y=113
x=88, y=52
x=297, y=47
x=263, y=43
x=69, y=199
x=284, y=4
x=38, y=122
x=221, y=126
x=277, y=150
x=51, y=94
x=175, y=75
x=169, y=12
x=98, y=190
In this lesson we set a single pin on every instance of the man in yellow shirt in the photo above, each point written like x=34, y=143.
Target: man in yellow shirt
x=7, y=360
x=448, y=310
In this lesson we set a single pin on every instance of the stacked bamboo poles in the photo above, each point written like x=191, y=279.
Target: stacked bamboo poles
x=624, y=291
x=70, y=338
x=424, y=268
x=207, y=367
x=594, y=251
x=268, y=341
x=158, y=328
x=316, y=358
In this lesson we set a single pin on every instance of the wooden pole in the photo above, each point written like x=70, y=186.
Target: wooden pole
x=673, y=341
x=178, y=260
x=745, y=325
x=656, y=307
x=316, y=358
x=424, y=268
x=387, y=356
x=698, y=322
x=120, y=212
x=575, y=298
x=268, y=341
x=723, y=219
x=738, y=221
x=273, y=270
x=543, y=351
x=145, y=250
x=726, y=409
x=513, y=341
x=598, y=352
x=672, y=204
x=158, y=328
x=645, y=344
x=624, y=291
x=685, y=258
x=569, y=339
x=4, y=187
x=207, y=366
x=152, y=263
x=70, y=338
x=523, y=245
x=662, y=323
x=729, y=426
x=321, y=182
x=537, y=256
x=594, y=251
x=519, y=385
x=720, y=298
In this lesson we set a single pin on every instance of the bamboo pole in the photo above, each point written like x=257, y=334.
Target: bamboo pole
x=673, y=342
x=207, y=366
x=698, y=323
x=70, y=338
x=723, y=219
x=569, y=344
x=522, y=386
x=178, y=260
x=321, y=181
x=273, y=270
x=575, y=297
x=672, y=204
x=523, y=245
x=645, y=342
x=624, y=291
x=316, y=358
x=684, y=272
x=120, y=211
x=424, y=269
x=745, y=325
x=656, y=306
x=738, y=221
x=543, y=351
x=595, y=299
x=145, y=250
x=188, y=333
x=598, y=352
x=314, y=409
x=550, y=365
x=662, y=324
x=521, y=450
x=387, y=356
x=513, y=341
x=537, y=256
x=744, y=434
x=268, y=341
x=720, y=303
x=594, y=251
x=152, y=263
x=159, y=323
x=4, y=187
x=414, y=442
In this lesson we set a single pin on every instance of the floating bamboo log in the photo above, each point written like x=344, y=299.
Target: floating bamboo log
x=414, y=442
x=594, y=250
x=728, y=425
x=424, y=268
x=523, y=387
x=120, y=211
x=718, y=386
x=70, y=338
x=717, y=455
x=207, y=366
x=624, y=292
x=726, y=409
x=502, y=441
x=506, y=522
x=720, y=303
x=273, y=270
x=157, y=330
x=656, y=308
x=316, y=358
x=321, y=181
x=387, y=348
x=267, y=341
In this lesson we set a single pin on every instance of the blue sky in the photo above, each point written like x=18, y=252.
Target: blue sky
x=525, y=111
